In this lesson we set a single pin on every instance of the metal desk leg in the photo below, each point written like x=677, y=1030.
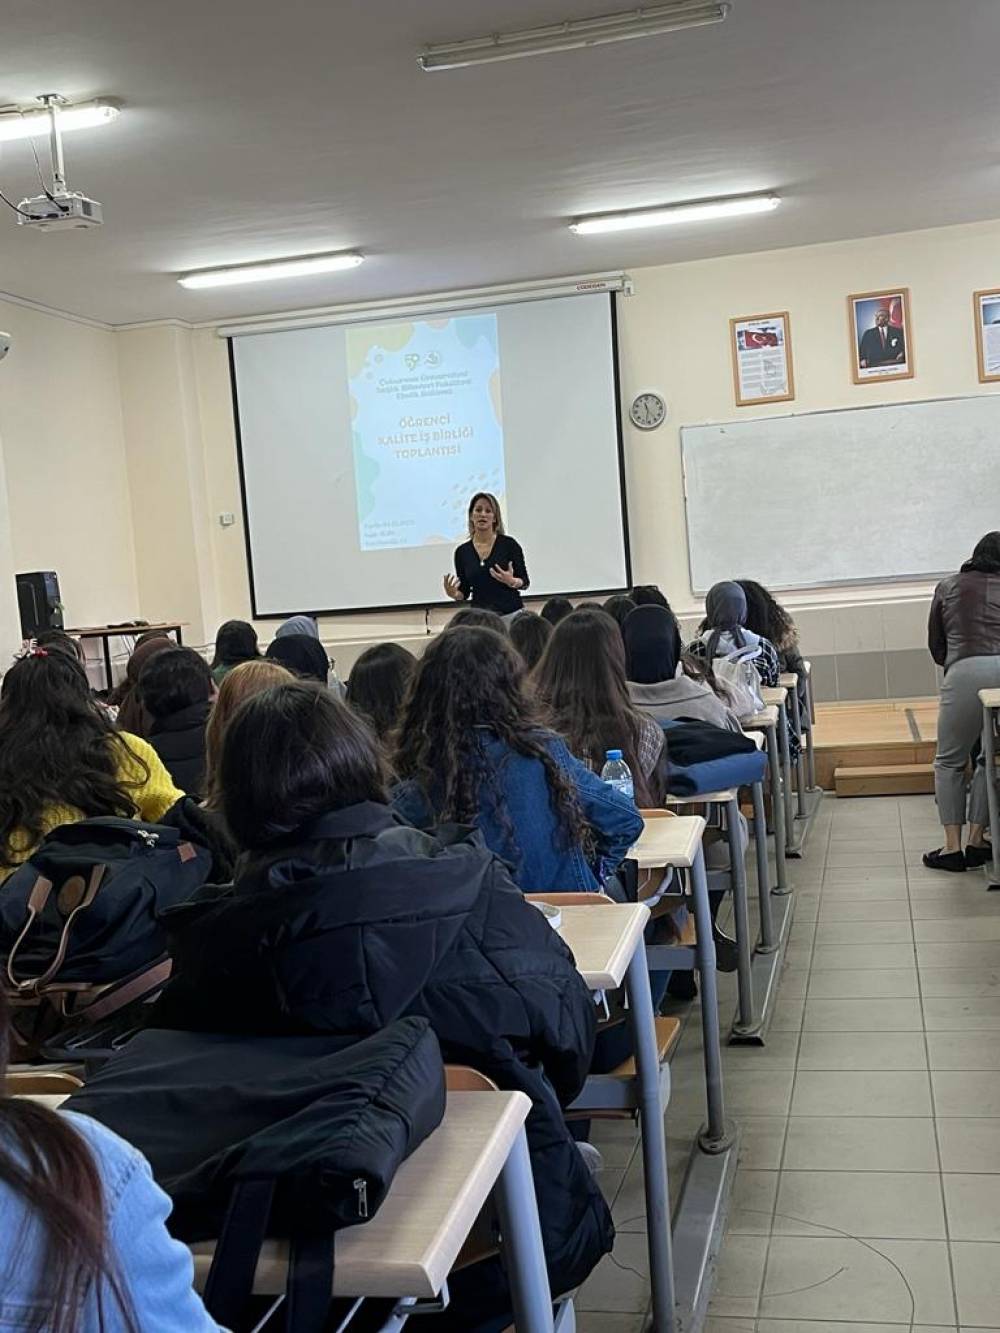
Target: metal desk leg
x=522, y=1239
x=992, y=796
x=179, y=636
x=716, y=1136
x=777, y=809
x=745, y=1023
x=654, y=1144
x=108, y=676
x=810, y=750
x=767, y=941
x=786, y=778
x=800, y=763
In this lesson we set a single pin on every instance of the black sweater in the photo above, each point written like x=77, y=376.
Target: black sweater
x=479, y=585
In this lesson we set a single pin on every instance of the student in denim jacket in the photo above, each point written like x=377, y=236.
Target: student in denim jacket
x=473, y=749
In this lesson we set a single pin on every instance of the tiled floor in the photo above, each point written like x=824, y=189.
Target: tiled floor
x=868, y=1190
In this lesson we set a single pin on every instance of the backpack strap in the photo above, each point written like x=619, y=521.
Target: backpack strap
x=230, y=1279
x=37, y=899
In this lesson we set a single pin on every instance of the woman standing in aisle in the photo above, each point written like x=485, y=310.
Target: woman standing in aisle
x=489, y=567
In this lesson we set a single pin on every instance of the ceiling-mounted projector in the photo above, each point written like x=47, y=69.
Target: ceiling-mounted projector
x=56, y=212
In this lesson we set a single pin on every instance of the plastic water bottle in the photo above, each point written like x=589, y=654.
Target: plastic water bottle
x=617, y=774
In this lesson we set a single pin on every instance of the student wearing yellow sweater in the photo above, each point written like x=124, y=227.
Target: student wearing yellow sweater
x=61, y=760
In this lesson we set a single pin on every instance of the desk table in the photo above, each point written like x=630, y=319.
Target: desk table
x=106, y=633
x=777, y=697
x=767, y=722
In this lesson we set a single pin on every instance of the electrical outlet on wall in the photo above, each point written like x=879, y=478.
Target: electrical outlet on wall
x=227, y=519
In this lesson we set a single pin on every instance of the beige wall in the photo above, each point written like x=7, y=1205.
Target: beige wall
x=64, y=459
x=128, y=513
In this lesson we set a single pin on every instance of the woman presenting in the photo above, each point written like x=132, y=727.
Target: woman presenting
x=489, y=567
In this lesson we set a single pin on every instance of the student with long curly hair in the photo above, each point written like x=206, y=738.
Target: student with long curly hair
x=473, y=749
x=61, y=759
x=83, y=1245
x=581, y=681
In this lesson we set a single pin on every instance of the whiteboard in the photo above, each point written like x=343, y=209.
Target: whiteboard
x=901, y=491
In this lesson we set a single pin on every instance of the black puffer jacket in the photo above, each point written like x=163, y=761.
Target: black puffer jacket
x=179, y=740
x=366, y=920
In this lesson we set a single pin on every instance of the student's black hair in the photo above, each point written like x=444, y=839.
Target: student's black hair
x=59, y=640
x=555, y=608
x=986, y=556
x=173, y=680
x=235, y=642
x=619, y=607
x=57, y=748
x=290, y=754
x=378, y=683
x=478, y=617
x=648, y=594
x=529, y=634
x=766, y=616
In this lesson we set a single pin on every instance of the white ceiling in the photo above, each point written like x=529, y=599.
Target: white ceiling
x=253, y=130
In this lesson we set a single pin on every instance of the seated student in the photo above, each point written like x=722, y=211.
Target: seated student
x=61, y=759
x=472, y=750
x=235, y=642
x=176, y=690
x=619, y=607
x=657, y=684
x=309, y=626
x=125, y=695
x=581, y=682
x=343, y=919
x=555, y=609
x=303, y=655
x=769, y=619
x=648, y=594
x=83, y=1243
x=377, y=686
x=478, y=617
x=529, y=634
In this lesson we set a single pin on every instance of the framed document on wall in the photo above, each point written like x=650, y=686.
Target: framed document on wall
x=881, y=338
x=986, y=307
x=762, y=359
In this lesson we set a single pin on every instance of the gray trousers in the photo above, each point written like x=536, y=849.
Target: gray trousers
x=960, y=725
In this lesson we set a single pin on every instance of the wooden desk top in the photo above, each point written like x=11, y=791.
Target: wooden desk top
x=788, y=680
x=668, y=842
x=768, y=718
x=123, y=631
x=604, y=938
x=412, y=1242
x=775, y=695
x=703, y=797
x=990, y=698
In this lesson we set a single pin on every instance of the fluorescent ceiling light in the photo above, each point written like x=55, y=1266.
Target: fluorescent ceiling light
x=703, y=211
x=573, y=34
x=34, y=123
x=271, y=270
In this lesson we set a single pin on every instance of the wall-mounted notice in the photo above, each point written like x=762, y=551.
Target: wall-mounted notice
x=762, y=359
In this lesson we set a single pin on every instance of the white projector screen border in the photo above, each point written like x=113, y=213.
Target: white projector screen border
x=430, y=603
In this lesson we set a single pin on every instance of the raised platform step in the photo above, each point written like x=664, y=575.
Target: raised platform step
x=884, y=780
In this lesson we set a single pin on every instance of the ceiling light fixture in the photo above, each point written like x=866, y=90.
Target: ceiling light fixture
x=271, y=270
x=705, y=210
x=573, y=34
x=16, y=123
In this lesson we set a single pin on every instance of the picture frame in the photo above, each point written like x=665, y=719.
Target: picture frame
x=881, y=335
x=986, y=313
x=761, y=350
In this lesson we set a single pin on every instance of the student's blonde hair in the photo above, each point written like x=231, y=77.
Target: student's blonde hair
x=239, y=684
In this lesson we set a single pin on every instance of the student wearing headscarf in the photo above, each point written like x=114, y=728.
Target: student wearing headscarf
x=303, y=655
x=963, y=635
x=657, y=683
x=306, y=626
x=298, y=625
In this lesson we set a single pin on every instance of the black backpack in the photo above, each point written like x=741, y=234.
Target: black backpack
x=83, y=911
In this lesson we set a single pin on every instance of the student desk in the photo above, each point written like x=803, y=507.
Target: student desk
x=990, y=699
x=777, y=697
x=767, y=722
x=810, y=723
x=700, y=1215
x=607, y=944
x=807, y=794
x=105, y=633
x=409, y=1247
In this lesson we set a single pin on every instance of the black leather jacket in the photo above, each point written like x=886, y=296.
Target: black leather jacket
x=965, y=618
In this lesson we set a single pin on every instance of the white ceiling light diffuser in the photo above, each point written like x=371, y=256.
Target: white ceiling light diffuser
x=706, y=210
x=271, y=270
x=17, y=124
x=648, y=21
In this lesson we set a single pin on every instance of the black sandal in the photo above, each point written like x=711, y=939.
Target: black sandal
x=942, y=860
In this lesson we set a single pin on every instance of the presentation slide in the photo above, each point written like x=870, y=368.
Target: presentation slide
x=362, y=445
